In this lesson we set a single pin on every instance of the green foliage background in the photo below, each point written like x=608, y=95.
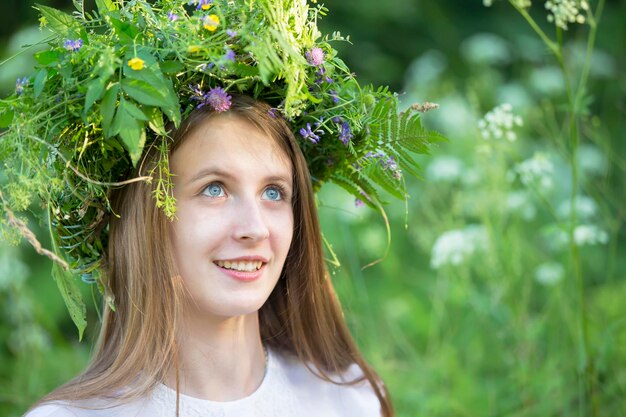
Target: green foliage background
x=489, y=336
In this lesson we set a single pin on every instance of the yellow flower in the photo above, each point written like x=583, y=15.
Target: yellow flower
x=211, y=22
x=193, y=49
x=136, y=63
x=206, y=6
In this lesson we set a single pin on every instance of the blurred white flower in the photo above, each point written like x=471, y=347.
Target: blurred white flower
x=536, y=171
x=586, y=208
x=486, y=48
x=519, y=202
x=499, y=123
x=591, y=160
x=549, y=273
x=455, y=246
x=547, y=80
x=563, y=12
x=589, y=234
x=444, y=169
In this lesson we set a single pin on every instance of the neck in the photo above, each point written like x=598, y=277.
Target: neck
x=220, y=359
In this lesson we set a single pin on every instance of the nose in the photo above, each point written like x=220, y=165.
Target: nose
x=250, y=223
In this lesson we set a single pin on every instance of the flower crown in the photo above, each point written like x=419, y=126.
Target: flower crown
x=113, y=78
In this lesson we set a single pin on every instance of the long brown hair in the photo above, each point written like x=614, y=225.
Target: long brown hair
x=137, y=342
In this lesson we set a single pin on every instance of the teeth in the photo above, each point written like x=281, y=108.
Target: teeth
x=244, y=266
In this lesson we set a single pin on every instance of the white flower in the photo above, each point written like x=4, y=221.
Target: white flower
x=444, y=169
x=536, y=171
x=519, y=202
x=549, y=273
x=455, y=246
x=499, y=123
x=589, y=234
x=563, y=12
x=586, y=208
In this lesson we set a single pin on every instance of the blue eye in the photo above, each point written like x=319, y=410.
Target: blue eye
x=273, y=193
x=213, y=190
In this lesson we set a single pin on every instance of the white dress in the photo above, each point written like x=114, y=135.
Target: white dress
x=288, y=389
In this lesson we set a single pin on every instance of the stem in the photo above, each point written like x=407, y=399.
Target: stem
x=549, y=43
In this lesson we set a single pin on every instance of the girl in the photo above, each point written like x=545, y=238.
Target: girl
x=228, y=310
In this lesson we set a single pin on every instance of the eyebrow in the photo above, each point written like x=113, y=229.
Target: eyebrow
x=224, y=174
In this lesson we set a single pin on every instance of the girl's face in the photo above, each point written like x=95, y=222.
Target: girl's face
x=233, y=188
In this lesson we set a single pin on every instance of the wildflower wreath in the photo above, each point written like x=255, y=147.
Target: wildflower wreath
x=112, y=79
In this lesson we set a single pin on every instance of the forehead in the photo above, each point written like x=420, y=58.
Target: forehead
x=230, y=142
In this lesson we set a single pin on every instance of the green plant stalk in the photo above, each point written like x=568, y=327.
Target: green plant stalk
x=588, y=381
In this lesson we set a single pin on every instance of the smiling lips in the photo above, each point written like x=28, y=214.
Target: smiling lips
x=242, y=266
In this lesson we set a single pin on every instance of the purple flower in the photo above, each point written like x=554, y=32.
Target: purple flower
x=217, y=98
x=73, y=45
x=345, y=134
x=313, y=136
x=202, y=4
x=358, y=203
x=334, y=96
x=229, y=55
x=172, y=16
x=272, y=112
x=315, y=56
x=231, y=33
x=20, y=84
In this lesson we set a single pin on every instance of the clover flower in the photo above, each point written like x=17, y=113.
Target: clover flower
x=201, y=4
x=172, y=16
x=218, y=99
x=211, y=22
x=73, y=45
x=310, y=134
x=563, y=12
x=20, y=84
x=136, y=64
x=499, y=123
x=315, y=56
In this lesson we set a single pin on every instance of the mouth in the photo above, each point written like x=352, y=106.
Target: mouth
x=241, y=266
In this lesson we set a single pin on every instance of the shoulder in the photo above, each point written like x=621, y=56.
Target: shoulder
x=94, y=408
x=50, y=410
x=357, y=399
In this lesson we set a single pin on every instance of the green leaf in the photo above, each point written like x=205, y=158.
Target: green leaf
x=173, y=67
x=131, y=130
x=134, y=111
x=155, y=121
x=95, y=90
x=58, y=21
x=40, y=81
x=105, y=6
x=107, y=108
x=72, y=297
x=47, y=57
x=126, y=32
x=143, y=92
x=6, y=117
